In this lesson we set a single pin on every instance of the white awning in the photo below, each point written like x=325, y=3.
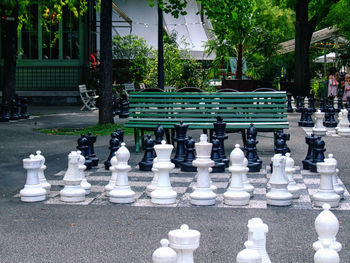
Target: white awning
x=330, y=58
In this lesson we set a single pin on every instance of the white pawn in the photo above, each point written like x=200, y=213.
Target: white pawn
x=164, y=254
x=203, y=193
x=248, y=255
x=257, y=231
x=327, y=227
x=82, y=167
x=184, y=241
x=235, y=194
x=326, y=254
x=292, y=187
x=246, y=184
x=33, y=191
x=41, y=174
x=164, y=193
x=319, y=129
x=326, y=193
x=279, y=195
x=72, y=191
x=337, y=187
x=152, y=186
x=343, y=125
x=122, y=192
x=110, y=186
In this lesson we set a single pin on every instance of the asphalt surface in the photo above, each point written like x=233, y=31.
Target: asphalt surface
x=71, y=233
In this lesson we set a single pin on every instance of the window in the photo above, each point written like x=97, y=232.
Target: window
x=29, y=36
x=70, y=31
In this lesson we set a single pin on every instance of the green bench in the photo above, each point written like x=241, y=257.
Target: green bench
x=266, y=110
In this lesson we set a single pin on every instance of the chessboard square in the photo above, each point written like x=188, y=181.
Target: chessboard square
x=57, y=201
x=301, y=185
x=302, y=199
x=180, y=190
x=312, y=191
x=261, y=186
x=307, y=173
x=56, y=182
x=259, y=197
x=301, y=205
x=346, y=193
x=258, y=180
x=98, y=178
x=343, y=206
x=181, y=179
x=141, y=174
x=139, y=184
x=297, y=177
x=308, y=181
x=218, y=176
x=97, y=188
x=259, y=191
x=257, y=204
x=140, y=179
x=218, y=180
x=99, y=201
x=188, y=175
x=222, y=185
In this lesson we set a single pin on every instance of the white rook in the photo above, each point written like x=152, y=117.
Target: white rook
x=319, y=129
x=337, y=187
x=41, y=173
x=184, y=241
x=33, y=190
x=343, y=125
x=257, y=231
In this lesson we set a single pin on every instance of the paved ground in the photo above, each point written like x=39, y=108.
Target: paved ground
x=56, y=233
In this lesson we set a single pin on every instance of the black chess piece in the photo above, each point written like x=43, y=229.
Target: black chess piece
x=180, y=139
x=219, y=166
x=281, y=139
x=300, y=103
x=322, y=105
x=310, y=141
x=147, y=160
x=120, y=135
x=159, y=134
x=91, y=151
x=252, y=131
x=289, y=102
x=114, y=145
x=116, y=106
x=24, y=108
x=83, y=146
x=312, y=102
x=302, y=120
x=308, y=120
x=326, y=117
x=318, y=154
x=340, y=104
x=251, y=154
x=187, y=165
x=220, y=134
x=14, y=110
x=330, y=122
x=124, y=113
x=4, y=113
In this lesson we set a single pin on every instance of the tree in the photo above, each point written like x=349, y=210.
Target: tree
x=14, y=14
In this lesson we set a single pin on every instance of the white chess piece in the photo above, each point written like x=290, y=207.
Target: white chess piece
x=246, y=184
x=152, y=186
x=235, y=194
x=110, y=186
x=164, y=254
x=327, y=227
x=306, y=102
x=339, y=121
x=122, y=192
x=203, y=193
x=319, y=129
x=257, y=231
x=326, y=193
x=248, y=255
x=343, y=125
x=41, y=173
x=184, y=241
x=33, y=191
x=292, y=187
x=279, y=195
x=326, y=254
x=72, y=191
x=164, y=193
x=337, y=187
x=82, y=167
x=213, y=187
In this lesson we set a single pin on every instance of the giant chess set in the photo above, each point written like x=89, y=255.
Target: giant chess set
x=199, y=174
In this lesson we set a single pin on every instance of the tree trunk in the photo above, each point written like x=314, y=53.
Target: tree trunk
x=9, y=40
x=160, y=50
x=239, y=62
x=105, y=99
x=303, y=33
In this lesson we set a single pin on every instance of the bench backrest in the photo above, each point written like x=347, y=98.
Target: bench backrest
x=82, y=88
x=204, y=107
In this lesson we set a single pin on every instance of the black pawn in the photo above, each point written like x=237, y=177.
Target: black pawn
x=322, y=105
x=254, y=164
x=340, y=104
x=302, y=120
x=124, y=113
x=24, y=108
x=83, y=146
x=114, y=145
x=4, y=113
x=330, y=102
x=310, y=141
x=318, y=154
x=91, y=151
x=159, y=134
x=252, y=131
x=308, y=120
x=281, y=139
x=147, y=160
x=300, y=103
x=289, y=102
x=220, y=134
x=219, y=166
x=330, y=123
x=180, y=139
x=120, y=135
x=187, y=166
x=14, y=110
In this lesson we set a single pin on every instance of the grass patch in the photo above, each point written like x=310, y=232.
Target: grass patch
x=98, y=129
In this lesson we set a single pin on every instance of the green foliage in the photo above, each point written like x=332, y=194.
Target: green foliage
x=135, y=49
x=340, y=15
x=175, y=7
x=318, y=88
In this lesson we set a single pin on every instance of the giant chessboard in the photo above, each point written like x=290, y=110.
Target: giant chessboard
x=182, y=183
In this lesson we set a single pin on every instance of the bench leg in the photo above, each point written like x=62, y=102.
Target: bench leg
x=244, y=138
x=167, y=135
x=211, y=132
x=137, y=139
x=142, y=139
